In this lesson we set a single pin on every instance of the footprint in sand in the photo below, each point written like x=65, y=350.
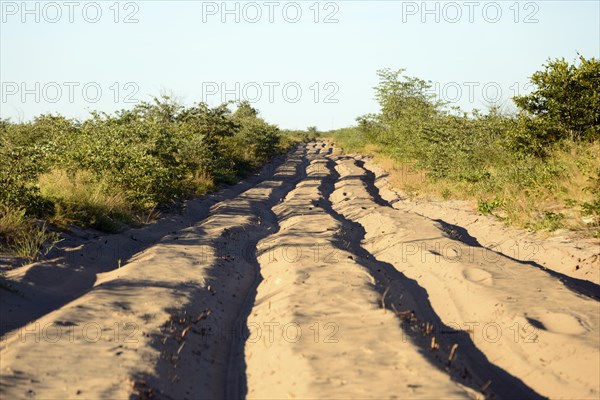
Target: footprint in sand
x=477, y=275
x=558, y=323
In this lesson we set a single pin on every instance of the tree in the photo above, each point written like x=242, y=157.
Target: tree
x=564, y=105
x=245, y=110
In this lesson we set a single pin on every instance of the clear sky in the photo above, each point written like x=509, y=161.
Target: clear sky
x=300, y=63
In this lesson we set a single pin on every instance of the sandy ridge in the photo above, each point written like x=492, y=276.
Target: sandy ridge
x=79, y=261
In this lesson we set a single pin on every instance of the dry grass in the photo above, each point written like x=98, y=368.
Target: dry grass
x=549, y=206
x=557, y=204
x=24, y=237
x=202, y=184
x=12, y=222
x=81, y=198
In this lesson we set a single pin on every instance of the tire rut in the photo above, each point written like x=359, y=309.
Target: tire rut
x=236, y=387
x=172, y=310
x=47, y=285
x=473, y=370
x=376, y=183
x=454, y=276
x=310, y=283
x=299, y=291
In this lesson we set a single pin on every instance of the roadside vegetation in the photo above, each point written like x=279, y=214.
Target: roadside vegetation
x=112, y=171
x=537, y=168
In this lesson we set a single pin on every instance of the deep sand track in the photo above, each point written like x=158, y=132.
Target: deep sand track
x=306, y=283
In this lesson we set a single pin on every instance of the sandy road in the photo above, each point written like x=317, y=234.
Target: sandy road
x=309, y=284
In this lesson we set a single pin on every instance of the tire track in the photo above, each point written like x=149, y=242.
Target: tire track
x=72, y=270
x=374, y=357
x=559, y=259
x=474, y=370
x=540, y=342
x=310, y=284
x=180, y=298
x=236, y=386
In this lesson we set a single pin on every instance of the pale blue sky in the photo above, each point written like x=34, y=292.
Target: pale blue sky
x=184, y=48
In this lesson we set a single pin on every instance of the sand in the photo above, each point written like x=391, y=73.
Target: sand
x=312, y=279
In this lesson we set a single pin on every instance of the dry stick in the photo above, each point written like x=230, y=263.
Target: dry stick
x=486, y=385
x=180, y=348
x=186, y=329
x=202, y=316
x=452, y=351
x=383, y=298
x=400, y=314
x=428, y=329
x=434, y=345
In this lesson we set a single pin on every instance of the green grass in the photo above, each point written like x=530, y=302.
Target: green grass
x=85, y=200
x=541, y=195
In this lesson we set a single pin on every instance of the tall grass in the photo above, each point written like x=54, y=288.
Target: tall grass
x=85, y=199
x=25, y=238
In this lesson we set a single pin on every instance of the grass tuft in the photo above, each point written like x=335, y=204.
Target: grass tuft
x=83, y=199
x=24, y=237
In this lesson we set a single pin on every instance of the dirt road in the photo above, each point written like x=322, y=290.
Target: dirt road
x=305, y=281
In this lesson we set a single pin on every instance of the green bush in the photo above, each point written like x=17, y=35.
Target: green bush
x=258, y=139
x=103, y=171
x=564, y=105
x=497, y=159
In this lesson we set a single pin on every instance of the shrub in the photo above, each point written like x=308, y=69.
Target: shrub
x=564, y=105
x=523, y=168
x=111, y=169
x=258, y=139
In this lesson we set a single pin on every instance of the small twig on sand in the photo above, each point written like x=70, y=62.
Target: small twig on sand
x=401, y=314
x=186, y=329
x=428, y=329
x=486, y=385
x=452, y=352
x=434, y=345
x=383, y=298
